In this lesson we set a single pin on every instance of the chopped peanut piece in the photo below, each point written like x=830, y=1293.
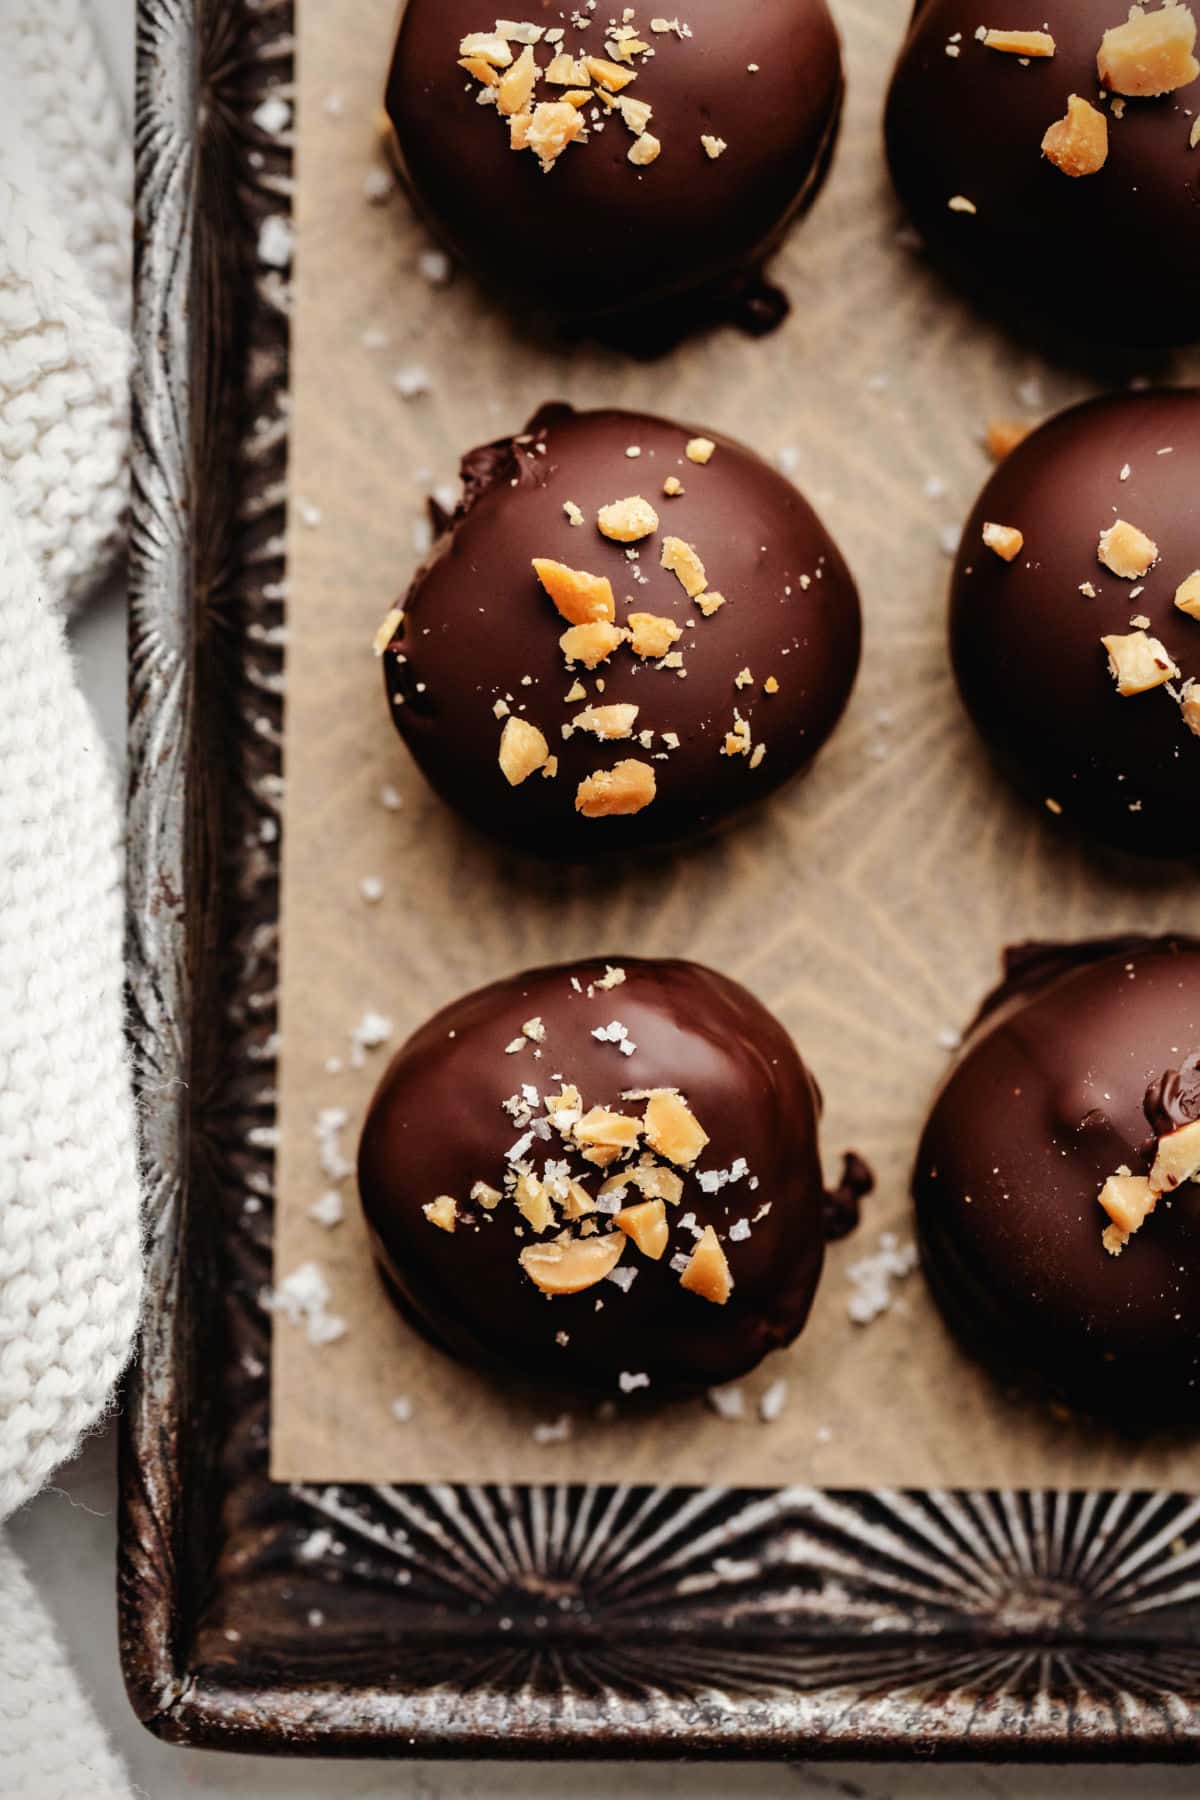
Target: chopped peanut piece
x=578, y=97
x=591, y=644
x=570, y=1267
x=646, y=1224
x=652, y=1179
x=517, y=84
x=707, y=1273
x=1128, y=1200
x=627, y=521
x=770, y=685
x=608, y=74
x=1151, y=53
x=608, y=1129
x=700, y=450
x=1005, y=540
x=480, y=69
x=672, y=487
x=489, y=45
x=615, y=721
x=442, y=1212
x=1187, y=596
x=636, y=113
x=533, y=1202
x=710, y=603
x=737, y=741
x=547, y=130
x=522, y=750
x=564, y=71
x=652, y=634
x=387, y=630
x=1138, y=663
x=1020, y=43
x=673, y=1130
x=683, y=562
x=1178, y=1158
x=487, y=1197
x=579, y=597
x=1114, y=1239
x=574, y=513
x=1189, y=706
x=1078, y=143
x=578, y=1202
x=1002, y=436
x=645, y=150
x=958, y=203
x=714, y=147
x=1127, y=551
x=619, y=792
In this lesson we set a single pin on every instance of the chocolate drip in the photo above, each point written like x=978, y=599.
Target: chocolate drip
x=843, y=1204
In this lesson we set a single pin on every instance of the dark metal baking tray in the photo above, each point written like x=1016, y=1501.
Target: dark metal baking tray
x=487, y=1621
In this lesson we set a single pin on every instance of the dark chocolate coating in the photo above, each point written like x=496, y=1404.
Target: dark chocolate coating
x=437, y=1126
x=597, y=237
x=477, y=623
x=1046, y=1102
x=1112, y=257
x=1026, y=643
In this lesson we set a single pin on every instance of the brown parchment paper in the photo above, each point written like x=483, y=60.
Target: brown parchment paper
x=867, y=906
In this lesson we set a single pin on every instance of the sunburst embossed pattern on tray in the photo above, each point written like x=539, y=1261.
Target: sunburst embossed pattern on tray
x=562, y=1619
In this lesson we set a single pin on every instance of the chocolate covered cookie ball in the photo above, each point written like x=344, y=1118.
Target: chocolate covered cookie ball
x=1058, y=1209
x=1050, y=162
x=1075, y=620
x=628, y=634
x=591, y=165
x=600, y=1175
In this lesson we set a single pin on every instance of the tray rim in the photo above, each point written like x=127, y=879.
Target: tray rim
x=175, y=1698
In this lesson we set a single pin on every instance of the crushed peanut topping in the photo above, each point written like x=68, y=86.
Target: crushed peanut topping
x=580, y=598
x=1002, y=436
x=515, y=89
x=673, y=487
x=387, y=630
x=488, y=45
x=574, y=513
x=1128, y=1200
x=1020, y=43
x=1127, y=551
x=1138, y=663
x=1178, y=1158
x=572, y=1264
x=1187, y=596
x=672, y=1129
x=591, y=644
x=487, y=1197
x=1189, y=706
x=1078, y=143
x=609, y=75
x=608, y=1129
x=684, y=563
x=645, y=150
x=700, y=450
x=652, y=634
x=707, y=1272
x=959, y=203
x=609, y=793
x=737, y=741
x=1005, y=540
x=636, y=113
x=523, y=749
x=646, y=1224
x=710, y=603
x=653, y=1180
x=442, y=1212
x=481, y=69
x=533, y=1202
x=627, y=521
x=564, y=71
x=577, y=1202
x=770, y=685
x=1151, y=53
x=576, y=691
x=713, y=146
x=547, y=130
x=615, y=721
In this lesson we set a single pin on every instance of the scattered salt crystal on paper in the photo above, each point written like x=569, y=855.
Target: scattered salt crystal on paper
x=389, y=798
x=773, y=1401
x=555, y=1431
x=411, y=381
x=726, y=1402
x=872, y=1277
x=435, y=267
x=402, y=1409
x=303, y=1298
x=371, y=889
x=328, y=1210
x=377, y=186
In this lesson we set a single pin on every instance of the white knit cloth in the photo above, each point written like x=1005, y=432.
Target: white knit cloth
x=70, y=1263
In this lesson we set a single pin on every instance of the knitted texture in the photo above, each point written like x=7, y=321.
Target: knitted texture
x=64, y=237
x=70, y=1243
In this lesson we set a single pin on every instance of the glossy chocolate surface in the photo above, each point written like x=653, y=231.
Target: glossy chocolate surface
x=438, y=1125
x=1113, y=256
x=1026, y=641
x=479, y=629
x=596, y=236
x=1047, y=1100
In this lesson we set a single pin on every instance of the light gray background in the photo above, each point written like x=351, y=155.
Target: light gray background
x=68, y=1534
